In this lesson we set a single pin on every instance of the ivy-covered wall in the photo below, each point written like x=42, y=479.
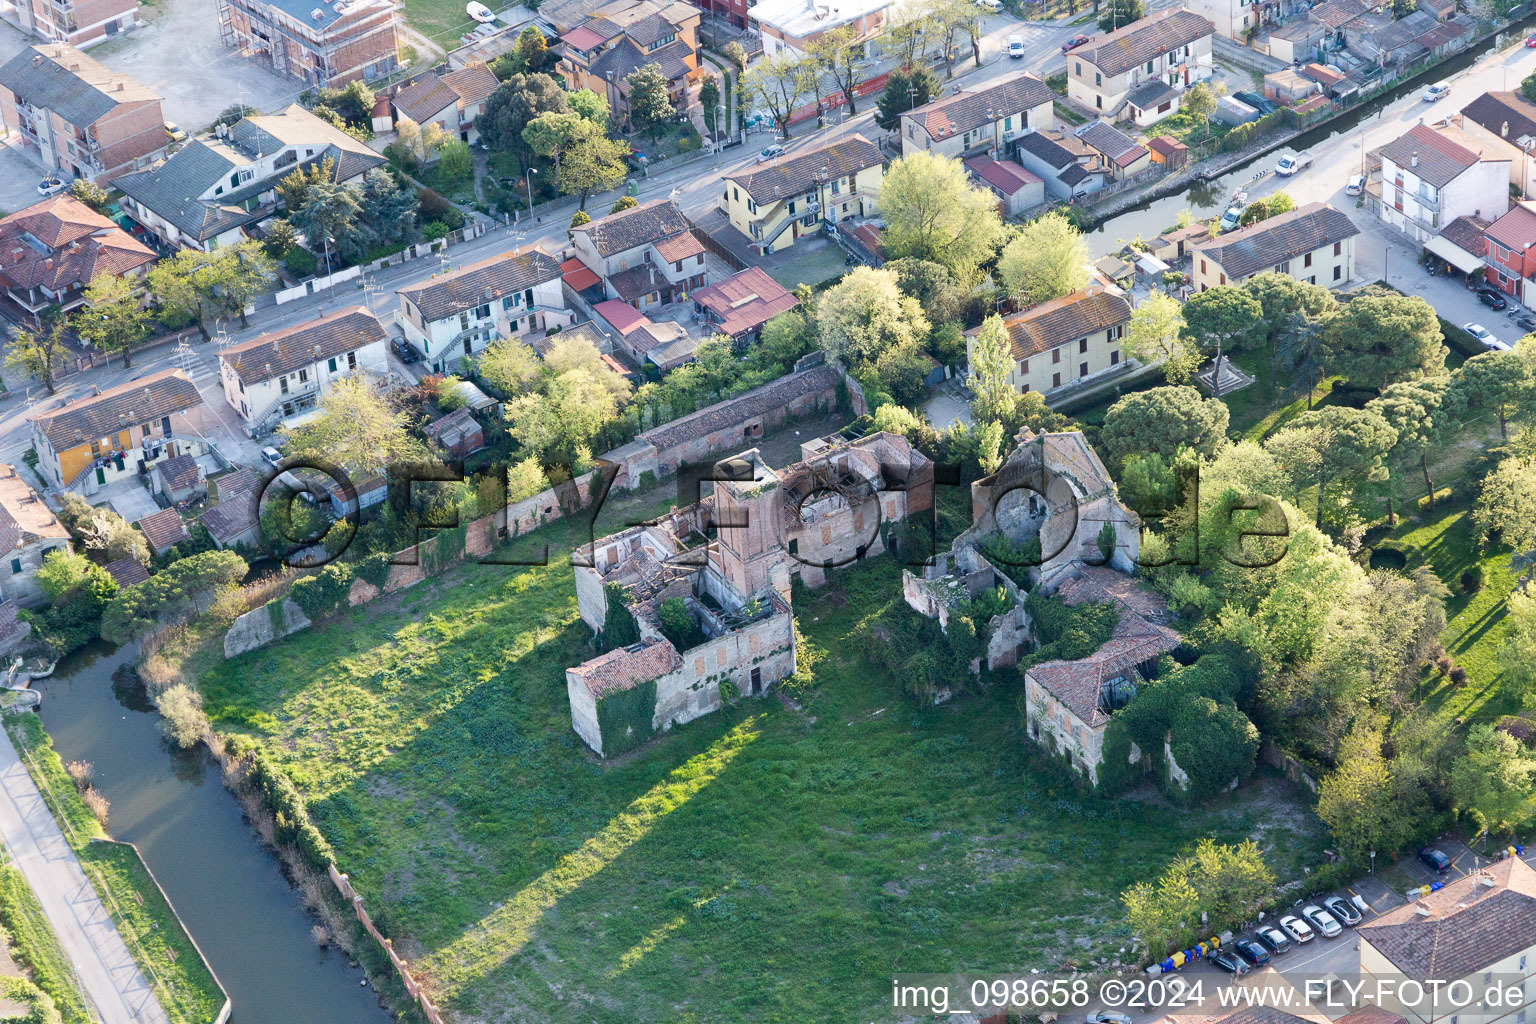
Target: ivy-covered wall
x=624, y=718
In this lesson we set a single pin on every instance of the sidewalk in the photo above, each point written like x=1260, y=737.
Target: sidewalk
x=113, y=983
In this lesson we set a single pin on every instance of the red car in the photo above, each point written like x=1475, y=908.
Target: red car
x=1530, y=41
x=1073, y=43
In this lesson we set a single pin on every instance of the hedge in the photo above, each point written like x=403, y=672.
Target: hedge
x=290, y=814
x=624, y=719
x=324, y=593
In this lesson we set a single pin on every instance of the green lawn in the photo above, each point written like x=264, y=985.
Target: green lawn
x=151, y=929
x=34, y=946
x=767, y=860
x=442, y=21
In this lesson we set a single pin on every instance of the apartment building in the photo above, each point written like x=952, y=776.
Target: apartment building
x=646, y=256
x=774, y=204
x=453, y=315
x=76, y=22
x=1138, y=73
x=84, y=120
x=1313, y=243
x=1430, y=176
x=287, y=373
x=317, y=43
x=962, y=123
x=51, y=252
x=1236, y=19
x=794, y=26
x=1060, y=343
x=602, y=52
x=1509, y=252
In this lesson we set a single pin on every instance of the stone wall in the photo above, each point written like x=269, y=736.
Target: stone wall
x=256, y=629
x=693, y=689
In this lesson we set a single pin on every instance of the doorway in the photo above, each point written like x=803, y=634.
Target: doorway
x=757, y=681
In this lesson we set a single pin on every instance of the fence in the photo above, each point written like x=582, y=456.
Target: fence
x=411, y=252
x=412, y=986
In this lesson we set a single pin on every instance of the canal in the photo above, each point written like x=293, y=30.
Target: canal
x=230, y=891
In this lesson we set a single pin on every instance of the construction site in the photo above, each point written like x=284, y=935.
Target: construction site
x=321, y=45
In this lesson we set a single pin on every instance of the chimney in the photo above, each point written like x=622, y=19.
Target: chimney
x=121, y=87
x=1504, y=130
x=1414, y=162
x=1422, y=909
x=1486, y=879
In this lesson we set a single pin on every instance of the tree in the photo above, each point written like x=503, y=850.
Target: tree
x=91, y=194
x=933, y=213
x=1225, y=318
x=1162, y=420
x=650, y=107
x=533, y=48
x=236, y=274
x=1497, y=779
x=1496, y=380
x=509, y=366
x=1518, y=652
x=1506, y=503
x=1299, y=346
x=183, y=285
x=579, y=218
x=1528, y=86
x=357, y=429
x=1119, y=13
x=389, y=208
x=590, y=106
x=903, y=369
x=295, y=187
x=1331, y=445
x=1356, y=799
x=114, y=318
x=864, y=314
x=953, y=20
x=77, y=590
x=593, y=163
x=329, y=218
x=567, y=354
x=839, y=53
x=906, y=29
x=454, y=162
x=37, y=353
x=734, y=52
x=1282, y=296
x=1046, y=260
x=1156, y=335
x=552, y=133
x=623, y=203
x=992, y=370
x=514, y=104
x=709, y=99
x=905, y=89
x=1424, y=413
x=1381, y=337
x=780, y=80
x=1200, y=102
x=416, y=144
x=173, y=591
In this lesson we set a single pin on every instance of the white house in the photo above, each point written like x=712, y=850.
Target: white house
x=1431, y=176
x=990, y=118
x=28, y=531
x=647, y=255
x=285, y=374
x=1138, y=73
x=793, y=26
x=453, y=315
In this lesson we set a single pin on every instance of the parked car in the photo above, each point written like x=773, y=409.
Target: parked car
x=1356, y=185
x=174, y=132
x=1233, y=216
x=272, y=457
x=1073, y=43
x=50, y=186
x=1015, y=47
x=1229, y=963
x=1290, y=164
x=1530, y=41
x=1320, y=919
x=1340, y=908
x=769, y=153
x=1252, y=952
x=1492, y=298
x=1527, y=321
x=1437, y=91
x=995, y=6
x=1433, y=859
x=1107, y=1017
x=404, y=350
x=1257, y=102
x=1274, y=938
x=1299, y=931
x=481, y=13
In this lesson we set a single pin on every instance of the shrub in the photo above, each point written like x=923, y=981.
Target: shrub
x=299, y=261
x=1458, y=676
x=323, y=593
x=1472, y=580
x=434, y=230
x=97, y=804
x=183, y=719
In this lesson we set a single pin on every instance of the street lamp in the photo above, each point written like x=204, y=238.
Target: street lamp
x=1386, y=264
x=528, y=176
x=1373, y=862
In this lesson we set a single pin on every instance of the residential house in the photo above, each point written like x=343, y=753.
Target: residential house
x=663, y=344
x=1476, y=934
x=793, y=27
x=126, y=572
x=458, y=433
x=604, y=50
x=214, y=187
x=776, y=203
x=1138, y=72
x=1239, y=19
x=356, y=494
x=1123, y=155
x=1287, y=86
x=51, y=252
x=79, y=23
x=1064, y=342
x=234, y=522
x=1180, y=242
x=1448, y=37
x=287, y=373
x=118, y=433
x=28, y=531
x=1069, y=166
x=1510, y=252
x=1313, y=243
x=1297, y=40
x=1507, y=122
x=646, y=255
x=1017, y=189
x=1430, y=176
x=163, y=530
x=990, y=118
x=326, y=44
x=451, y=100
x=1335, y=85
x=84, y=120
x=739, y=306
x=1334, y=15
x=179, y=479
x=453, y=315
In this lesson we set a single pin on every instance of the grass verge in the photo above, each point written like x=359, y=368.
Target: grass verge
x=35, y=947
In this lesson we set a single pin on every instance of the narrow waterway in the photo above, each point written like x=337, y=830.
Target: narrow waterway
x=228, y=889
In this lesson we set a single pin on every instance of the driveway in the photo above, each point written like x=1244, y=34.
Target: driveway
x=112, y=981
x=20, y=171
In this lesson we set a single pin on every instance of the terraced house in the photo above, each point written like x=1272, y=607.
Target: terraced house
x=645, y=256
x=285, y=374
x=213, y=188
x=453, y=315
x=320, y=44
x=1138, y=73
x=99, y=440
x=1313, y=243
x=989, y=119
x=1060, y=343
x=775, y=204
x=84, y=120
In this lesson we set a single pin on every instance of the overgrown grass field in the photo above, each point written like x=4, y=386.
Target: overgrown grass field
x=770, y=861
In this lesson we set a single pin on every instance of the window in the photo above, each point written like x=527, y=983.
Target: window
x=1024, y=366
x=1007, y=124
x=303, y=376
x=282, y=384
x=331, y=364
x=1055, y=380
x=1098, y=101
x=1078, y=70
x=1098, y=79
x=528, y=297
x=1024, y=389
x=15, y=565
x=1306, y=260
x=1338, y=272
x=351, y=360
x=1202, y=266
x=791, y=207
x=1338, y=248
x=1522, y=962
x=1082, y=345
x=1055, y=355
x=483, y=312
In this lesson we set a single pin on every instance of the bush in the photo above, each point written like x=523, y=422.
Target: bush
x=300, y=262
x=323, y=593
x=182, y=716
x=434, y=230
x=1472, y=580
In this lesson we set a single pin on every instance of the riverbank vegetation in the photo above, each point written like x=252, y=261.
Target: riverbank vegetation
x=34, y=947
x=154, y=934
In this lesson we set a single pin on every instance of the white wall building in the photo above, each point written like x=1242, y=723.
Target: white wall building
x=1431, y=176
x=454, y=315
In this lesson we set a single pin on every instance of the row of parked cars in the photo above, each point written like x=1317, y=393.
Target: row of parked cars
x=1329, y=919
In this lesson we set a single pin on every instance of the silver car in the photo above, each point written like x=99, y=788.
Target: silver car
x=1320, y=919
x=1297, y=929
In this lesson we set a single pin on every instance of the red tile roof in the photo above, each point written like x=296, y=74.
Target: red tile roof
x=627, y=667
x=1004, y=175
x=745, y=301
x=61, y=243
x=680, y=247
x=621, y=315
x=127, y=571
x=583, y=38
x=163, y=530
x=1166, y=145
x=1516, y=229
x=578, y=275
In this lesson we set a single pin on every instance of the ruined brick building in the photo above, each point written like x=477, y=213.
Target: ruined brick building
x=730, y=559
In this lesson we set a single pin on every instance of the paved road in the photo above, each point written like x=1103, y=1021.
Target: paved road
x=112, y=981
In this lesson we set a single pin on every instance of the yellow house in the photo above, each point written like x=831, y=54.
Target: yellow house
x=86, y=445
x=1058, y=344
x=1477, y=936
x=773, y=204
